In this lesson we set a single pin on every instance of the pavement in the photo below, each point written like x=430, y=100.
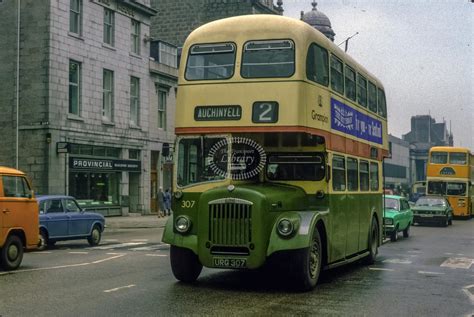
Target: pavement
x=134, y=221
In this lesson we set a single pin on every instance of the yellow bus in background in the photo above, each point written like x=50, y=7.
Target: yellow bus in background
x=280, y=142
x=450, y=172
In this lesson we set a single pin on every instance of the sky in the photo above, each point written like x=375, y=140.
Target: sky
x=421, y=50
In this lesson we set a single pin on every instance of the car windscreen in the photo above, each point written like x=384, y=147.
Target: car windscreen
x=210, y=61
x=430, y=202
x=391, y=203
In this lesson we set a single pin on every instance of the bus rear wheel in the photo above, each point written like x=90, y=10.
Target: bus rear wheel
x=373, y=242
x=184, y=264
x=306, y=265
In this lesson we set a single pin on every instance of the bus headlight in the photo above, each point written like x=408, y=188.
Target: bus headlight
x=388, y=221
x=182, y=224
x=285, y=227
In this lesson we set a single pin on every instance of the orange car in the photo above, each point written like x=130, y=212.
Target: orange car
x=19, y=223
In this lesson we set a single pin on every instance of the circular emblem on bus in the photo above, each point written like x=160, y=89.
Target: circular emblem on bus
x=237, y=158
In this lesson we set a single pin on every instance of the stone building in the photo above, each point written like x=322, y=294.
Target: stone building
x=177, y=18
x=94, y=111
x=425, y=133
x=397, y=166
x=319, y=21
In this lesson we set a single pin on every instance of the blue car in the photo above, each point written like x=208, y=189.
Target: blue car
x=61, y=219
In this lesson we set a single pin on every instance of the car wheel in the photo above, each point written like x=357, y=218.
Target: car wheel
x=43, y=240
x=11, y=254
x=373, y=243
x=184, y=264
x=450, y=221
x=305, y=266
x=445, y=222
x=394, y=235
x=406, y=232
x=96, y=235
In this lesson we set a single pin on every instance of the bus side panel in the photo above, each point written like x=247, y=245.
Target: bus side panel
x=337, y=233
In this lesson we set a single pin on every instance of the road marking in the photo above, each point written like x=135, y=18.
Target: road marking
x=61, y=266
x=119, y=245
x=78, y=252
x=469, y=290
x=164, y=255
x=380, y=269
x=41, y=252
x=119, y=288
x=414, y=251
x=111, y=240
x=433, y=273
x=458, y=263
x=397, y=261
x=140, y=240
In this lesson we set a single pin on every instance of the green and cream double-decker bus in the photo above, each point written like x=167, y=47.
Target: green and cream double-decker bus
x=280, y=141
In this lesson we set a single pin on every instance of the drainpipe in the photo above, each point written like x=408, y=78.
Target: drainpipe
x=17, y=82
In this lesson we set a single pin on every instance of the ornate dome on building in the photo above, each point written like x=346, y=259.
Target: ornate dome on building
x=319, y=21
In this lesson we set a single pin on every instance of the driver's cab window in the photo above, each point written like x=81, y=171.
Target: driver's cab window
x=14, y=186
x=71, y=206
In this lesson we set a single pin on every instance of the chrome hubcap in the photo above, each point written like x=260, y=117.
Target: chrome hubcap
x=314, y=259
x=12, y=252
x=95, y=235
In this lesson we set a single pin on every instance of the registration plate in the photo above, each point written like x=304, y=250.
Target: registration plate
x=234, y=263
x=426, y=215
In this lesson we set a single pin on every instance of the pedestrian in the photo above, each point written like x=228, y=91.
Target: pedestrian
x=161, y=202
x=167, y=202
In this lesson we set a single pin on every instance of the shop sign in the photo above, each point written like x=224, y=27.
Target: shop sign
x=80, y=163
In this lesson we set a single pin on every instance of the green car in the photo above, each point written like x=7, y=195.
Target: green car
x=434, y=210
x=397, y=216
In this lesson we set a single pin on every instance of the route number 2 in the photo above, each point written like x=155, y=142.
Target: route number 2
x=265, y=112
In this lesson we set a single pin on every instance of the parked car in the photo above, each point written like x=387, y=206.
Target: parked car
x=61, y=219
x=433, y=209
x=18, y=217
x=397, y=216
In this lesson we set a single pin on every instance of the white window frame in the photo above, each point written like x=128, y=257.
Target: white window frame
x=134, y=101
x=108, y=95
x=76, y=85
x=75, y=17
x=109, y=27
x=135, y=36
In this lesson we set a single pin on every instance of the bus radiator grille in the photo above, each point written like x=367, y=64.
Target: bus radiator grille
x=230, y=224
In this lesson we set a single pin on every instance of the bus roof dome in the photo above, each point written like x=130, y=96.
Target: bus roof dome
x=319, y=21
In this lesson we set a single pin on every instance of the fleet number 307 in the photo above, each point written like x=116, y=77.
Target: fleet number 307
x=188, y=203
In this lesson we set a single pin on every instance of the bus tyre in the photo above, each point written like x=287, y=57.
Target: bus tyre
x=306, y=265
x=11, y=254
x=184, y=264
x=373, y=242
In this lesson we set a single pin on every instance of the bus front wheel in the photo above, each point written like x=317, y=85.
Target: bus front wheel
x=306, y=265
x=184, y=264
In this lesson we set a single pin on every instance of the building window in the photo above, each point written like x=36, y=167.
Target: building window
x=162, y=96
x=135, y=37
x=75, y=16
x=108, y=95
x=317, y=65
x=337, y=76
x=134, y=100
x=74, y=88
x=94, y=189
x=168, y=54
x=134, y=154
x=109, y=27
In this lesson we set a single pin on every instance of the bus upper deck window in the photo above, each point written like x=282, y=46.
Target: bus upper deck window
x=210, y=61
x=458, y=158
x=266, y=59
x=439, y=157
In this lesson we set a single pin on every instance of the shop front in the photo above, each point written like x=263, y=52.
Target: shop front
x=95, y=183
